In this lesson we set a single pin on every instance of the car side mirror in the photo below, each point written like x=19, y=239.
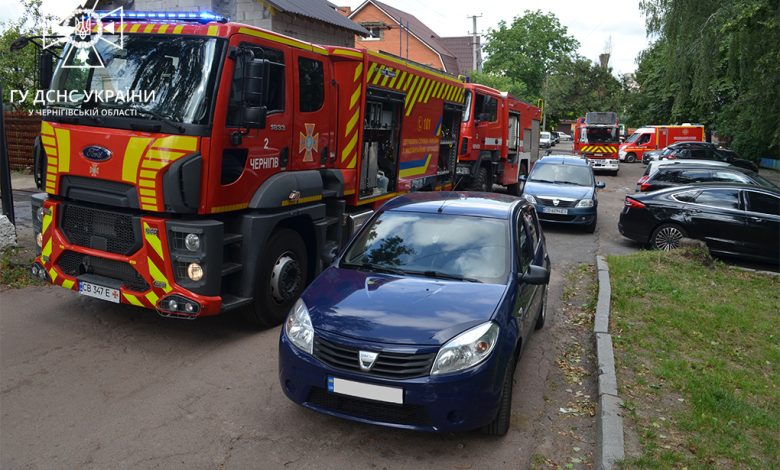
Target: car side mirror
x=536, y=275
x=600, y=185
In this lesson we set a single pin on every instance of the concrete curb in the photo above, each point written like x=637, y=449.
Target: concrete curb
x=610, y=447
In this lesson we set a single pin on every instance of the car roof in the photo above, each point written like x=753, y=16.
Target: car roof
x=472, y=204
x=689, y=187
x=562, y=160
x=683, y=164
x=690, y=144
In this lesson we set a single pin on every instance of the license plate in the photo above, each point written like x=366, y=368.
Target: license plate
x=555, y=210
x=99, y=292
x=363, y=390
x=598, y=154
x=463, y=170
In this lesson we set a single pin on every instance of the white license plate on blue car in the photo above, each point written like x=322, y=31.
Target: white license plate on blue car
x=364, y=390
x=99, y=292
x=555, y=210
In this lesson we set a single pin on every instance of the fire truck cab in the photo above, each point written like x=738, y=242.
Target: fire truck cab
x=497, y=139
x=597, y=138
x=650, y=138
x=253, y=163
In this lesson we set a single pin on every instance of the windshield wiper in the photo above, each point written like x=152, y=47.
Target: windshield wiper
x=378, y=268
x=178, y=127
x=441, y=275
x=534, y=180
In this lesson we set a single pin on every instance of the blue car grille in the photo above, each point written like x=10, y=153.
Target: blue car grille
x=387, y=364
x=412, y=415
x=548, y=201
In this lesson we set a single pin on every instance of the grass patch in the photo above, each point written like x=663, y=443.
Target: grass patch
x=15, y=268
x=698, y=352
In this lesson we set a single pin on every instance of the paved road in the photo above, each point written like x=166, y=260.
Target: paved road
x=86, y=384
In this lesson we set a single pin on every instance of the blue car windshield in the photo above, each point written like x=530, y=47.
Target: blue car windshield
x=434, y=245
x=579, y=175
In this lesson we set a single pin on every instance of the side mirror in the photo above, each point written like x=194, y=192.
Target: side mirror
x=600, y=185
x=45, y=69
x=536, y=275
x=522, y=177
x=254, y=82
x=253, y=117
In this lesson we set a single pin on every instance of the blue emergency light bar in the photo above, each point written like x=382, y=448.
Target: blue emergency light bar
x=189, y=16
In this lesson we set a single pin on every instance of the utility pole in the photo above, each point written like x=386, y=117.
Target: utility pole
x=475, y=65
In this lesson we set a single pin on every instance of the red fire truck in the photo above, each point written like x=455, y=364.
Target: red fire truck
x=597, y=138
x=259, y=156
x=658, y=137
x=499, y=139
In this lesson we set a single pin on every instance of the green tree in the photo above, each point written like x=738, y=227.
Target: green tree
x=716, y=62
x=526, y=51
x=19, y=69
x=500, y=82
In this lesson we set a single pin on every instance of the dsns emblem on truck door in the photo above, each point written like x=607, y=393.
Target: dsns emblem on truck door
x=96, y=153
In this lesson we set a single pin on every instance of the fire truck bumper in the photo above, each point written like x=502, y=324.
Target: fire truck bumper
x=120, y=258
x=604, y=163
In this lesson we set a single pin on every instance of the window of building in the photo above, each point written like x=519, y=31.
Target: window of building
x=376, y=31
x=311, y=82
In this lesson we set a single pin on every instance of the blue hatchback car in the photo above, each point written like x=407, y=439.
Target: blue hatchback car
x=421, y=320
x=563, y=189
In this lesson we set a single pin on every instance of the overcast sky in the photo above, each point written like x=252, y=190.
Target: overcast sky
x=591, y=22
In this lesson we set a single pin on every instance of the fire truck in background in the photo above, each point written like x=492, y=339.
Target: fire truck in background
x=259, y=157
x=499, y=139
x=597, y=138
x=649, y=138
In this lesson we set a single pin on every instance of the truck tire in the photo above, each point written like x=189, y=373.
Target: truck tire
x=281, y=279
x=630, y=157
x=481, y=181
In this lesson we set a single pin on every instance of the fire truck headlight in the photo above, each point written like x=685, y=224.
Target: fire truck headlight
x=192, y=242
x=39, y=240
x=195, y=272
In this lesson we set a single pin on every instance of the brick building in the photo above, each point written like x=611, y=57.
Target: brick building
x=316, y=21
x=384, y=24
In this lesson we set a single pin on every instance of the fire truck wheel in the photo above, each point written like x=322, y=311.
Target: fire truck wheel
x=281, y=279
x=481, y=181
x=630, y=158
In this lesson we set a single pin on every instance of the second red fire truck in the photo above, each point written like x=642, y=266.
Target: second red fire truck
x=597, y=138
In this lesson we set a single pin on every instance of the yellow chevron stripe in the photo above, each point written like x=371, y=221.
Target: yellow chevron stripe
x=163, y=29
x=46, y=222
x=411, y=82
x=213, y=31
x=400, y=84
x=351, y=123
x=68, y=284
x=145, y=183
x=158, y=276
x=353, y=162
x=148, y=174
x=149, y=201
x=386, y=77
x=355, y=96
x=53, y=274
x=132, y=299
x=46, y=140
x=430, y=92
x=148, y=192
x=176, y=30
x=154, y=241
x=46, y=249
x=394, y=79
x=148, y=28
x=370, y=72
x=47, y=129
x=152, y=298
x=135, y=27
x=350, y=146
x=358, y=71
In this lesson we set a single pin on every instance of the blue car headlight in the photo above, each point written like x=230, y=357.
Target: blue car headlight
x=466, y=350
x=298, y=327
x=585, y=203
x=529, y=198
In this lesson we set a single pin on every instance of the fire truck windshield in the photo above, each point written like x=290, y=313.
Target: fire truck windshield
x=152, y=77
x=602, y=134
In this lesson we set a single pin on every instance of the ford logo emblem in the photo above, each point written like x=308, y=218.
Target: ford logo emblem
x=96, y=153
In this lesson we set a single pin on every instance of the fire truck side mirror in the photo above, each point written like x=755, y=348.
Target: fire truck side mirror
x=45, y=69
x=254, y=82
x=254, y=117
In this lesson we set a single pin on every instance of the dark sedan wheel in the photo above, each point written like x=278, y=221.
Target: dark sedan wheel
x=667, y=237
x=542, y=312
x=500, y=425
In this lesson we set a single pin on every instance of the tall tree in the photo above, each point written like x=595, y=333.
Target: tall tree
x=721, y=64
x=527, y=50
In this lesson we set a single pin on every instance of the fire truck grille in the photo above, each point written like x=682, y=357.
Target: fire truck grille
x=395, y=365
x=99, y=229
x=75, y=264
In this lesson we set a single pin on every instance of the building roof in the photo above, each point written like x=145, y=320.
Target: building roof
x=320, y=10
x=463, y=49
x=418, y=29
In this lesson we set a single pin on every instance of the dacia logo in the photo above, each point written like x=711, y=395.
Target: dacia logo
x=96, y=153
x=366, y=359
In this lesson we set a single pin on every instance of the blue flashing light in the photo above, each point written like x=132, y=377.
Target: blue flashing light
x=189, y=16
